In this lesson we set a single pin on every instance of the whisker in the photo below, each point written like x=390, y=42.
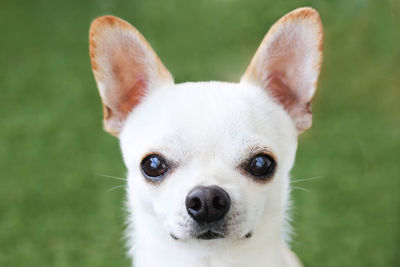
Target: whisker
x=306, y=179
x=115, y=187
x=301, y=188
x=112, y=177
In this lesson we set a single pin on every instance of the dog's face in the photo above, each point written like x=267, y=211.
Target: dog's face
x=209, y=134
x=208, y=160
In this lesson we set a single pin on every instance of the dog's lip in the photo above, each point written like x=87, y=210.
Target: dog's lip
x=209, y=235
x=174, y=236
x=249, y=234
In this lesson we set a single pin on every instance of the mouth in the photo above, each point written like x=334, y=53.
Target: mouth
x=209, y=235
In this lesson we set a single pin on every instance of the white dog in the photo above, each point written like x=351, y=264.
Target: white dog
x=208, y=162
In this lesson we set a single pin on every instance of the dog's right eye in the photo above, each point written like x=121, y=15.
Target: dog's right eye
x=154, y=167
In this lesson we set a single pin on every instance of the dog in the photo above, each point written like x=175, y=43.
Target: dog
x=208, y=162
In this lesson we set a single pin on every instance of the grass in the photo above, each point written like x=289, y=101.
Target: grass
x=55, y=210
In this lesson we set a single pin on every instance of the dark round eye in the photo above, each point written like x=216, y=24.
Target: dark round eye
x=261, y=166
x=154, y=166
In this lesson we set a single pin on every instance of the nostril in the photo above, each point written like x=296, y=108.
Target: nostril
x=194, y=203
x=219, y=203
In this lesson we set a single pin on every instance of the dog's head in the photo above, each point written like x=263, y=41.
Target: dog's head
x=208, y=160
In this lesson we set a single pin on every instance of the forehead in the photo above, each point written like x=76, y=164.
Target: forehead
x=205, y=116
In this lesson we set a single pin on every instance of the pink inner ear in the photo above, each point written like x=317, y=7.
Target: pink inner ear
x=298, y=108
x=131, y=97
x=281, y=91
x=131, y=80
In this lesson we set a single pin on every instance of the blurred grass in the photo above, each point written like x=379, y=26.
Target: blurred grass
x=55, y=209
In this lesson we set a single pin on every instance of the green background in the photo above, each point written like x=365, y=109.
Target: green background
x=55, y=208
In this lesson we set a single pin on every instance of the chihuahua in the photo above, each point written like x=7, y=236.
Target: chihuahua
x=208, y=162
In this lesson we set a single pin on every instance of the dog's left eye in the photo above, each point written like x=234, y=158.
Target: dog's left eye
x=154, y=167
x=261, y=166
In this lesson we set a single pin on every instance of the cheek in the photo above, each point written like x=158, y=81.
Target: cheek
x=168, y=199
x=143, y=196
x=275, y=194
x=247, y=197
x=256, y=199
x=260, y=199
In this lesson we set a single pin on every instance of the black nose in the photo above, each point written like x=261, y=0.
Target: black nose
x=207, y=204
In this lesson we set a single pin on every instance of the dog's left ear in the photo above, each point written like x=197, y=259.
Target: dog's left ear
x=125, y=68
x=288, y=61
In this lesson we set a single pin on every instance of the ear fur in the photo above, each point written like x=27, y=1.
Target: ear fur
x=287, y=63
x=125, y=68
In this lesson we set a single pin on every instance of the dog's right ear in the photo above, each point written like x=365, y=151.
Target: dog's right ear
x=125, y=68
